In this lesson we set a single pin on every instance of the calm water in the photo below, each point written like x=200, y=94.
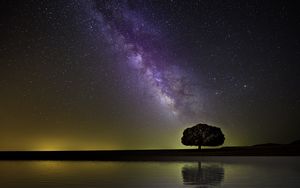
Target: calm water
x=205, y=172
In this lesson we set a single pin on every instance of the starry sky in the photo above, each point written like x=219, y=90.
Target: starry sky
x=133, y=74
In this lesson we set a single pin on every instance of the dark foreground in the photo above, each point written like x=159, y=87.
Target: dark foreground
x=225, y=172
x=152, y=155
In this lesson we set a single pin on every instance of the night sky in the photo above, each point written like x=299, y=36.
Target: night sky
x=100, y=74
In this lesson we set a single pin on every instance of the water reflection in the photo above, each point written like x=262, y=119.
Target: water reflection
x=258, y=172
x=202, y=174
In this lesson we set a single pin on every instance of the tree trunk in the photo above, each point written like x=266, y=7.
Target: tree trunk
x=199, y=147
x=199, y=166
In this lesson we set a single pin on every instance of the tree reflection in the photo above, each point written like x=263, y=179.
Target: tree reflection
x=202, y=175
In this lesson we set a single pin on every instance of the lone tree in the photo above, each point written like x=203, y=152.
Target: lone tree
x=202, y=135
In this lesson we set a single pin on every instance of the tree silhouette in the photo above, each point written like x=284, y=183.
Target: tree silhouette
x=202, y=135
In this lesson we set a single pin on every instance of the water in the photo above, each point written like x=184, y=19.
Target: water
x=202, y=172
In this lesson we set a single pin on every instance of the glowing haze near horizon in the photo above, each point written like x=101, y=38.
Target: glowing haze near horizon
x=100, y=74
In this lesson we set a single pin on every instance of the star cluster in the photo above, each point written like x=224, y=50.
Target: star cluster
x=140, y=44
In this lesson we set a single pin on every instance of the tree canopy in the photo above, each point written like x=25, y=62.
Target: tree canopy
x=202, y=135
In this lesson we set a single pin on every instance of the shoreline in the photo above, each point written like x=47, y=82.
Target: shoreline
x=151, y=155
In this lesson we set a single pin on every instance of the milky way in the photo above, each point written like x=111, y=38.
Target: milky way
x=139, y=43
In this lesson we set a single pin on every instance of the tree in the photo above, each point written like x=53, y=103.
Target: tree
x=202, y=135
